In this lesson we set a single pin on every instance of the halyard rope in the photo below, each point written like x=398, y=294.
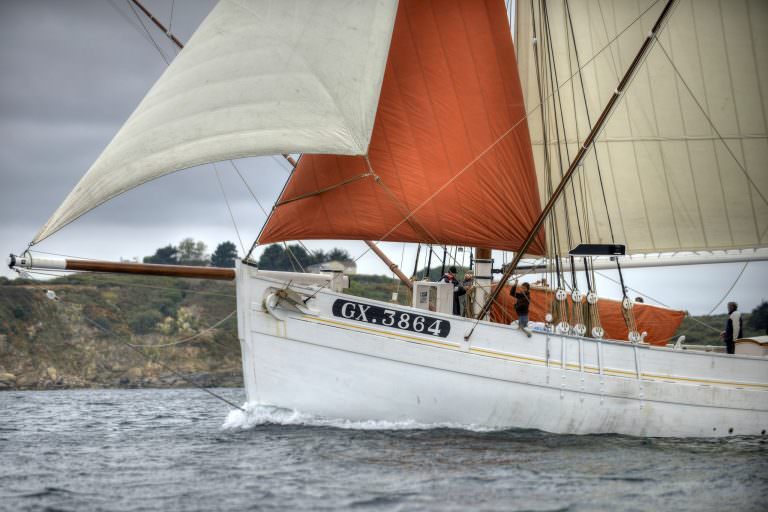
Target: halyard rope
x=137, y=349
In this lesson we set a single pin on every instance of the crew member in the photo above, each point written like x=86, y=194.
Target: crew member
x=458, y=289
x=523, y=301
x=732, y=328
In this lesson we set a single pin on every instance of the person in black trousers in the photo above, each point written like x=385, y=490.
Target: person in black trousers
x=732, y=328
x=523, y=301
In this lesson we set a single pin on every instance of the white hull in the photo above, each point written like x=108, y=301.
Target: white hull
x=336, y=367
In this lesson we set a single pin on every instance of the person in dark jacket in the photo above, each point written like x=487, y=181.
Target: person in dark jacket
x=458, y=289
x=732, y=328
x=523, y=301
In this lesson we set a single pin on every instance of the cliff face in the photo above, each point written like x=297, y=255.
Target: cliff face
x=81, y=338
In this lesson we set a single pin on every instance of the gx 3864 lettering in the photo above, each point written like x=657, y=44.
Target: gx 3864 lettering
x=393, y=318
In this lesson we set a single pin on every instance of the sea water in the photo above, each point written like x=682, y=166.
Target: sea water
x=130, y=450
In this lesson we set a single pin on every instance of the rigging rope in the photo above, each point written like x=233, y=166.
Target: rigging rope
x=729, y=289
x=712, y=124
x=657, y=301
x=264, y=211
x=551, y=224
x=163, y=365
x=194, y=336
x=416, y=263
x=402, y=258
x=137, y=349
x=134, y=25
x=589, y=118
x=557, y=103
x=170, y=19
x=280, y=163
x=248, y=187
x=324, y=189
x=152, y=39
x=58, y=254
x=229, y=208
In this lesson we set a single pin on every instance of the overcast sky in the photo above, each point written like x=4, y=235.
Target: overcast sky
x=72, y=73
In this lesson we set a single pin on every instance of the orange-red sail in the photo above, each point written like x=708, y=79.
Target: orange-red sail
x=450, y=157
x=661, y=324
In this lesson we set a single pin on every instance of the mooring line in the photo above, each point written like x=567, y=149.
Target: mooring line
x=51, y=295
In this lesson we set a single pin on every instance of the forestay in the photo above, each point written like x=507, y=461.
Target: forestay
x=258, y=77
x=669, y=180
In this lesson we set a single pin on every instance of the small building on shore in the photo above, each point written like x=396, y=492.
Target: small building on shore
x=346, y=267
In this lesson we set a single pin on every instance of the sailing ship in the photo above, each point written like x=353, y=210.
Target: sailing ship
x=614, y=124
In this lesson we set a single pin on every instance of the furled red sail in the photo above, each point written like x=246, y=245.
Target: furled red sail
x=660, y=323
x=450, y=158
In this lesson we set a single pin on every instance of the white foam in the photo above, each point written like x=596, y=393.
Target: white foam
x=255, y=415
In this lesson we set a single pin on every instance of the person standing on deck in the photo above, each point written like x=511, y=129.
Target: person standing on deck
x=458, y=290
x=732, y=328
x=466, y=300
x=523, y=301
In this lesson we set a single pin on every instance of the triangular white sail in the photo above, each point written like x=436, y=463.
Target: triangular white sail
x=258, y=77
x=670, y=182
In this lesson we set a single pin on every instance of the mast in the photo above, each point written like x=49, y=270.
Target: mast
x=483, y=277
x=158, y=24
x=578, y=158
x=392, y=266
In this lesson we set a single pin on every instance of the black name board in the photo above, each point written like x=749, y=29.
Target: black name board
x=393, y=318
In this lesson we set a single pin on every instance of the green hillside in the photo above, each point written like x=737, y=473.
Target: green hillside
x=82, y=338
x=134, y=331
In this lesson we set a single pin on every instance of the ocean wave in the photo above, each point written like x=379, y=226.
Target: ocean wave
x=255, y=415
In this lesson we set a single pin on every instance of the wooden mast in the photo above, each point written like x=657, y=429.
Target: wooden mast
x=392, y=266
x=157, y=23
x=579, y=157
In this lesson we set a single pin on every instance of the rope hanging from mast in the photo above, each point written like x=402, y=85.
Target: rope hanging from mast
x=589, y=119
x=581, y=154
x=287, y=157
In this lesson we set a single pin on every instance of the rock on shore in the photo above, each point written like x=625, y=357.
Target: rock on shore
x=47, y=344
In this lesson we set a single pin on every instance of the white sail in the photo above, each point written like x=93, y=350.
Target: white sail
x=258, y=77
x=669, y=180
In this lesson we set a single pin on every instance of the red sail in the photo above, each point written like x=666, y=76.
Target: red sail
x=661, y=324
x=450, y=155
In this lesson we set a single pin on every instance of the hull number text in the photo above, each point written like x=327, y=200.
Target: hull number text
x=391, y=318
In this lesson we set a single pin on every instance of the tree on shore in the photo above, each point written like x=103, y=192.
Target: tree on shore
x=192, y=253
x=758, y=319
x=224, y=255
x=168, y=255
x=188, y=252
x=276, y=257
x=337, y=254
